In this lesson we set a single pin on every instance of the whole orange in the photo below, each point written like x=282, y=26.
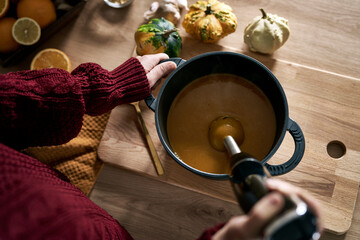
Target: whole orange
x=7, y=42
x=42, y=11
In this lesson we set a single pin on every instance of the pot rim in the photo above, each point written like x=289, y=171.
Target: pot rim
x=225, y=53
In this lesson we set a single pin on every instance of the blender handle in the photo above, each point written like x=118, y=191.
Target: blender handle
x=296, y=219
x=299, y=140
x=151, y=100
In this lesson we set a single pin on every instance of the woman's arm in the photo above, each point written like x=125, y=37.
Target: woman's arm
x=103, y=90
x=46, y=107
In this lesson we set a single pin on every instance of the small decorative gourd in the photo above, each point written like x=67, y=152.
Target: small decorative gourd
x=209, y=21
x=266, y=33
x=158, y=36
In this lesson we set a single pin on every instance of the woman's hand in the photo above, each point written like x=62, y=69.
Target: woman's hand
x=250, y=226
x=155, y=71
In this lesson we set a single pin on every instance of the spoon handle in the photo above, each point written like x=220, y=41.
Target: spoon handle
x=158, y=166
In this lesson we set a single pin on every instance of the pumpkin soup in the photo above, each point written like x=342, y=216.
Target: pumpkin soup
x=212, y=96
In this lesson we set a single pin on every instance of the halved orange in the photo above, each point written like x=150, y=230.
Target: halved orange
x=51, y=58
x=4, y=7
x=26, y=31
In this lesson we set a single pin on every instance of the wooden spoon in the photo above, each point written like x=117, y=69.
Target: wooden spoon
x=158, y=166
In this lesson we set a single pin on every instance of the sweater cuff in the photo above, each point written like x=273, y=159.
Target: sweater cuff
x=130, y=77
x=208, y=233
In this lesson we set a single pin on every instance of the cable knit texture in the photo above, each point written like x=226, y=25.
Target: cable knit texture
x=46, y=107
x=39, y=203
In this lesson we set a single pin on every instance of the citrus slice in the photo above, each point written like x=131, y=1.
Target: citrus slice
x=4, y=7
x=51, y=58
x=26, y=31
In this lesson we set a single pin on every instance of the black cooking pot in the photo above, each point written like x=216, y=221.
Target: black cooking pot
x=231, y=63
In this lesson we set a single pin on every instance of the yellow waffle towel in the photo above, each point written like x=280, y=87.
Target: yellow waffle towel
x=77, y=159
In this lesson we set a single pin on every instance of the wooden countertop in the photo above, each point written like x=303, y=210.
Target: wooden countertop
x=318, y=68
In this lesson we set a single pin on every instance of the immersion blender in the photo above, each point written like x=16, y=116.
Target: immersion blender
x=296, y=221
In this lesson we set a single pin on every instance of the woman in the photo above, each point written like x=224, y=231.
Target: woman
x=46, y=107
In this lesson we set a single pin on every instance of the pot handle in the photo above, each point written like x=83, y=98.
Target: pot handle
x=299, y=140
x=151, y=100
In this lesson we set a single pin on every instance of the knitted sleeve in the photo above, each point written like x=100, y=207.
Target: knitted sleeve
x=208, y=233
x=38, y=202
x=46, y=107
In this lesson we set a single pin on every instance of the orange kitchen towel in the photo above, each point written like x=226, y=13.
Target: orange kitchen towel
x=76, y=159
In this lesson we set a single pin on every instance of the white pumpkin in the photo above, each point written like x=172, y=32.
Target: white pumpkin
x=266, y=33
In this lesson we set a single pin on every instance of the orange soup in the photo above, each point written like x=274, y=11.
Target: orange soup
x=207, y=98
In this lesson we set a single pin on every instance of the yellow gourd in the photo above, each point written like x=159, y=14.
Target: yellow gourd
x=209, y=21
x=266, y=33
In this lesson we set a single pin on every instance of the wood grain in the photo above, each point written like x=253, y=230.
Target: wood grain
x=322, y=98
x=153, y=210
x=317, y=105
x=318, y=68
x=154, y=156
x=150, y=209
x=324, y=34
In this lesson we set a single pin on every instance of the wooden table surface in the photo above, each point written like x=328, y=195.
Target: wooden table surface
x=321, y=58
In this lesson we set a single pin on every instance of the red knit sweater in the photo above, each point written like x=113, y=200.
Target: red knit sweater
x=46, y=108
